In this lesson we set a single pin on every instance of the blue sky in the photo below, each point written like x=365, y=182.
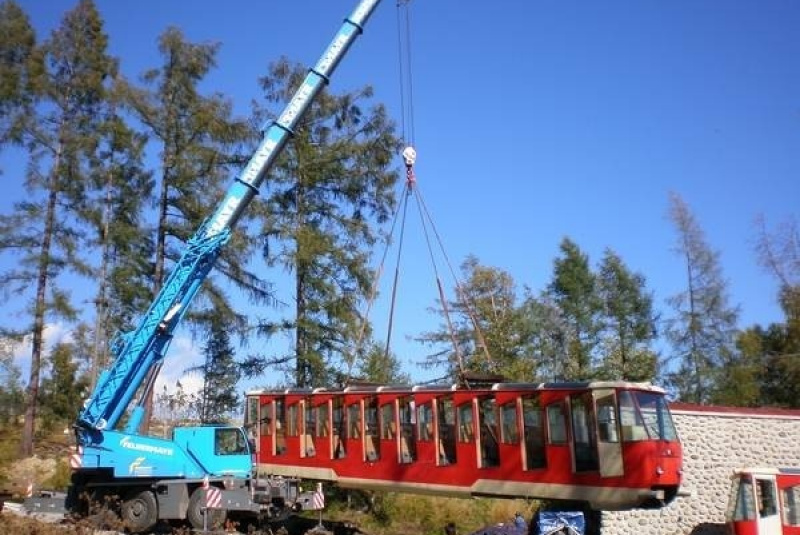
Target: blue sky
x=536, y=120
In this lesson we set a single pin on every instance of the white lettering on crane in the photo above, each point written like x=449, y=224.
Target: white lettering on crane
x=288, y=116
x=331, y=54
x=361, y=11
x=223, y=216
x=138, y=446
x=257, y=162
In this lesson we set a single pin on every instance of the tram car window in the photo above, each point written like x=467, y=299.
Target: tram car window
x=489, y=436
x=583, y=436
x=323, y=421
x=338, y=451
x=447, y=430
x=371, y=450
x=388, y=424
x=308, y=448
x=508, y=415
x=791, y=504
x=466, y=427
x=354, y=421
x=633, y=428
x=765, y=491
x=280, y=427
x=607, y=419
x=425, y=422
x=533, y=428
x=556, y=423
x=292, y=419
x=742, y=501
x=266, y=420
x=408, y=442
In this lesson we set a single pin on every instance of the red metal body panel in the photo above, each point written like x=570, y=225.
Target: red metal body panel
x=443, y=440
x=751, y=520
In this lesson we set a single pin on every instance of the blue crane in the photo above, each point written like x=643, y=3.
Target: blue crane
x=155, y=477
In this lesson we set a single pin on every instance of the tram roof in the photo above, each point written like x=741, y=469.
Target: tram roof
x=495, y=387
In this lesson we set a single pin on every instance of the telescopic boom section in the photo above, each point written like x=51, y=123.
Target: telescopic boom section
x=139, y=351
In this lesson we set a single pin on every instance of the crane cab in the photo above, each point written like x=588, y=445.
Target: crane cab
x=765, y=501
x=220, y=450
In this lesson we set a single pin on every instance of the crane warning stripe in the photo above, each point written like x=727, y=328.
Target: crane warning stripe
x=213, y=498
x=318, y=498
x=75, y=461
x=318, y=501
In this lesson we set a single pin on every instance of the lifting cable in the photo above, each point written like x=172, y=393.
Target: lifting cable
x=411, y=189
x=409, y=158
x=404, y=64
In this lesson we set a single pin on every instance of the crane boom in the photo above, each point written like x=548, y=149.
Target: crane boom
x=138, y=352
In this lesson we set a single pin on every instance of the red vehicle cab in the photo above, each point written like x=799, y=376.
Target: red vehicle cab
x=765, y=501
x=611, y=445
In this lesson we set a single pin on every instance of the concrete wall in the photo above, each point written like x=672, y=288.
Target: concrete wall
x=716, y=441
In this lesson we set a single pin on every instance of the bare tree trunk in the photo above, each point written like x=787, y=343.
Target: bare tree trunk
x=158, y=276
x=303, y=373
x=28, y=430
x=100, y=334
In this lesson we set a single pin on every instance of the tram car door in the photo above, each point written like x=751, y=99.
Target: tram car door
x=609, y=446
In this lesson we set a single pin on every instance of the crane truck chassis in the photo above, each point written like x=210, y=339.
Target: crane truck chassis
x=143, y=478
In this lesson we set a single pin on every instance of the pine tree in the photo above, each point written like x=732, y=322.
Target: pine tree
x=218, y=397
x=332, y=182
x=18, y=64
x=64, y=389
x=546, y=335
x=702, y=329
x=574, y=290
x=487, y=327
x=123, y=187
x=767, y=370
x=199, y=143
x=779, y=254
x=629, y=322
x=12, y=394
x=378, y=366
x=59, y=131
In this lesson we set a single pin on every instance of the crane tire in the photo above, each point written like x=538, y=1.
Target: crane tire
x=197, y=502
x=139, y=511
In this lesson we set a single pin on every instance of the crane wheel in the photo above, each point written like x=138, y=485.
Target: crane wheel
x=197, y=504
x=140, y=512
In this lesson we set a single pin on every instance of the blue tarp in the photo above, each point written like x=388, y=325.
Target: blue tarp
x=501, y=529
x=569, y=522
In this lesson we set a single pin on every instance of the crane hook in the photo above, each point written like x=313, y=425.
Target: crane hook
x=409, y=157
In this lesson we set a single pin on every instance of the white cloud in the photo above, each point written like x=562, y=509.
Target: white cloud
x=182, y=354
x=54, y=333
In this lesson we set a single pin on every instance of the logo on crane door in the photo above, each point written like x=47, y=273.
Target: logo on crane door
x=136, y=467
x=128, y=444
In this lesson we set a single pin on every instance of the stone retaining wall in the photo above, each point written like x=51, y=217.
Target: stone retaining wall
x=716, y=441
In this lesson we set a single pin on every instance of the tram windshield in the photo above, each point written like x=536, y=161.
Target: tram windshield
x=645, y=415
